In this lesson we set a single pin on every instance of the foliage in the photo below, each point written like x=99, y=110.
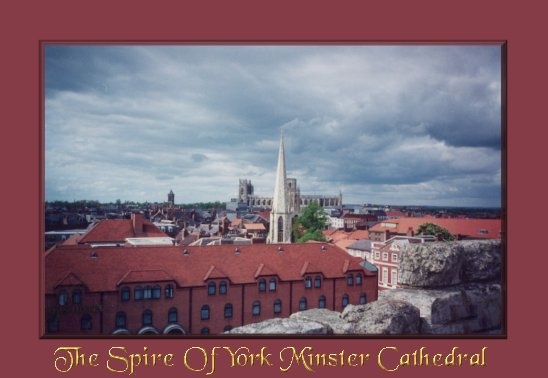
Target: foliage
x=309, y=224
x=435, y=230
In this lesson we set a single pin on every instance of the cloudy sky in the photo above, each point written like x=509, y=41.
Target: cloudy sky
x=400, y=125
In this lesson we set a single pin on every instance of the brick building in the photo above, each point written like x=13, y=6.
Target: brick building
x=195, y=290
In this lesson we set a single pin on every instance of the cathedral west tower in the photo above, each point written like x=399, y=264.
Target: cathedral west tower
x=280, y=215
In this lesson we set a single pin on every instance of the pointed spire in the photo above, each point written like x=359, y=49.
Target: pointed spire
x=279, y=201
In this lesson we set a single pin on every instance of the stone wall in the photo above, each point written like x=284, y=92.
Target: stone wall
x=449, y=288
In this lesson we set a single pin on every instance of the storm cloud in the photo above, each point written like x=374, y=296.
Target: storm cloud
x=409, y=124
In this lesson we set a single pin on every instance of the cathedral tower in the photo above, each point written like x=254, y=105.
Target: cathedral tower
x=280, y=215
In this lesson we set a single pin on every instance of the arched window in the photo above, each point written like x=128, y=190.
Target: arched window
x=277, y=306
x=211, y=288
x=168, y=291
x=359, y=279
x=138, y=293
x=322, y=302
x=85, y=322
x=172, y=315
x=272, y=284
x=156, y=292
x=147, y=293
x=303, y=304
x=204, y=312
x=63, y=298
x=77, y=296
x=318, y=281
x=204, y=331
x=223, y=288
x=125, y=294
x=308, y=282
x=256, y=308
x=262, y=285
x=280, y=230
x=345, y=300
x=147, y=318
x=350, y=279
x=120, y=321
x=363, y=298
x=228, y=310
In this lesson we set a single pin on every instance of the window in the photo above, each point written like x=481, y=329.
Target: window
x=394, y=278
x=85, y=322
x=138, y=293
x=211, y=288
x=322, y=302
x=262, y=285
x=204, y=331
x=204, y=312
x=120, y=321
x=156, y=292
x=223, y=287
x=228, y=310
x=359, y=279
x=363, y=298
x=345, y=300
x=169, y=291
x=256, y=308
x=394, y=257
x=384, y=276
x=318, y=281
x=53, y=324
x=385, y=256
x=303, y=305
x=147, y=318
x=172, y=315
x=147, y=293
x=277, y=306
x=308, y=282
x=350, y=279
x=280, y=230
x=227, y=328
x=377, y=255
x=63, y=299
x=272, y=284
x=125, y=294
x=77, y=296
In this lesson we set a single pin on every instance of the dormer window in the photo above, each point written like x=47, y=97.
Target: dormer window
x=62, y=298
x=211, y=288
x=308, y=282
x=262, y=285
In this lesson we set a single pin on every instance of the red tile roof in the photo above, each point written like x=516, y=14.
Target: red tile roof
x=468, y=227
x=117, y=230
x=104, y=268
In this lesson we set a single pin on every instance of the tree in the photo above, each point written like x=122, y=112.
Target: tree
x=434, y=230
x=308, y=225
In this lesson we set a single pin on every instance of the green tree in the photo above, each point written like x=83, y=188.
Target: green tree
x=308, y=225
x=434, y=230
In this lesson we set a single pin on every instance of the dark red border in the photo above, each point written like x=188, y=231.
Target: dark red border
x=281, y=21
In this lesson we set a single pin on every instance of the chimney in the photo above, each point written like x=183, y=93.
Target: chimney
x=137, y=221
x=410, y=232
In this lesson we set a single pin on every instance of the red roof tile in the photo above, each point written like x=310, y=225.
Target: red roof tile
x=117, y=230
x=469, y=227
x=108, y=266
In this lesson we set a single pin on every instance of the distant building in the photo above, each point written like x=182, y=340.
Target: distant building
x=460, y=228
x=386, y=257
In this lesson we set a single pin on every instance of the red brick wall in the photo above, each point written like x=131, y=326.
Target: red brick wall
x=189, y=301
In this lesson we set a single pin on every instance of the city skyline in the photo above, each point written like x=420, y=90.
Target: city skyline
x=402, y=125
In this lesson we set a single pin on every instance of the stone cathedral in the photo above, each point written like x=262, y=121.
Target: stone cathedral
x=286, y=201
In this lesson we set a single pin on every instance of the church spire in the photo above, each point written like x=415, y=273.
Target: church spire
x=280, y=217
x=280, y=201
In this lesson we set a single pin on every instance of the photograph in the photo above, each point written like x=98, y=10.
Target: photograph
x=274, y=190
